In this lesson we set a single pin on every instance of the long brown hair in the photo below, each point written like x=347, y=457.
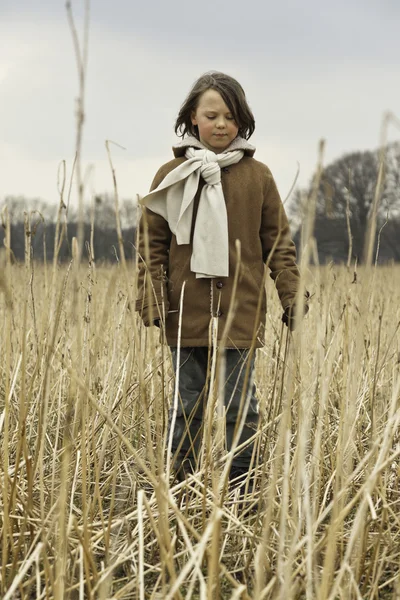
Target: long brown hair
x=233, y=95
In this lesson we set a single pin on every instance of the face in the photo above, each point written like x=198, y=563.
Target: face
x=217, y=127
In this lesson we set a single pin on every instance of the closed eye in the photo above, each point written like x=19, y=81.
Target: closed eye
x=229, y=118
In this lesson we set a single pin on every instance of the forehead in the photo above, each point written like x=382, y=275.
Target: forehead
x=212, y=100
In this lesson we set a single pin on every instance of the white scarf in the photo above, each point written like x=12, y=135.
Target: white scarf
x=174, y=200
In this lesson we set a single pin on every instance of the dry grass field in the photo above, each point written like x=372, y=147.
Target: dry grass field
x=87, y=506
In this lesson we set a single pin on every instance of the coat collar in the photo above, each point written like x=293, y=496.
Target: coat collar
x=238, y=143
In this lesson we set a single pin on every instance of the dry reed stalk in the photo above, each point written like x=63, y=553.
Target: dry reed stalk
x=86, y=493
x=325, y=375
x=176, y=386
x=81, y=55
x=5, y=417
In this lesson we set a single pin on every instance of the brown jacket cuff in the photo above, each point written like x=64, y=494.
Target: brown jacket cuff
x=157, y=311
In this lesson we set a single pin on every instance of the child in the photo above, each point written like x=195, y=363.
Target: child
x=210, y=195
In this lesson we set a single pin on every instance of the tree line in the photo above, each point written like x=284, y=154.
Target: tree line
x=38, y=220
x=344, y=201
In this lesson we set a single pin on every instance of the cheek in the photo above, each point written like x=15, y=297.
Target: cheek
x=205, y=126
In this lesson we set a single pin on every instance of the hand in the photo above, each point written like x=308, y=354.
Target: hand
x=145, y=314
x=290, y=318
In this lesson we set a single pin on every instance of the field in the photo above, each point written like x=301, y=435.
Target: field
x=87, y=506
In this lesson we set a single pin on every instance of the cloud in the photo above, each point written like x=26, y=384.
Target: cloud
x=308, y=73
x=34, y=178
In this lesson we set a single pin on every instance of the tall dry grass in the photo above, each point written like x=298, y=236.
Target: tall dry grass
x=88, y=506
x=87, y=509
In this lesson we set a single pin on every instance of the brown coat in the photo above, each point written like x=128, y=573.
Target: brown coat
x=255, y=217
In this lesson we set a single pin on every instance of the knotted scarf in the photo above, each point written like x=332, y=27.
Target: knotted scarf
x=173, y=199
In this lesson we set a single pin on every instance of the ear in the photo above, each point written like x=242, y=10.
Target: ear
x=193, y=118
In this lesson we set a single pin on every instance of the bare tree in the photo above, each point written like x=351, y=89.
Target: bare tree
x=43, y=217
x=345, y=199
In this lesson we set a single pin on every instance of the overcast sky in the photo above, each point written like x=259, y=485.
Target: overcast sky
x=309, y=71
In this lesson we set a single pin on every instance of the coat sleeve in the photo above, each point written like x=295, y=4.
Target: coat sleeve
x=154, y=238
x=279, y=250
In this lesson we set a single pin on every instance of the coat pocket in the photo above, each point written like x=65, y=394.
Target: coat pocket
x=175, y=281
x=253, y=288
x=256, y=274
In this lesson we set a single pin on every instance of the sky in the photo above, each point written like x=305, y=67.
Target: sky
x=310, y=70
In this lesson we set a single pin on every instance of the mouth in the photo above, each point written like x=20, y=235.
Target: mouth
x=220, y=135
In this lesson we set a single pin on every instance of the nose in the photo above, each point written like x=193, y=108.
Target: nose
x=221, y=124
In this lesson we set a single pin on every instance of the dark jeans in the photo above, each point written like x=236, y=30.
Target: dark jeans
x=193, y=391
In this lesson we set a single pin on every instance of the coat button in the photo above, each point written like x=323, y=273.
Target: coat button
x=219, y=284
x=225, y=169
x=219, y=313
